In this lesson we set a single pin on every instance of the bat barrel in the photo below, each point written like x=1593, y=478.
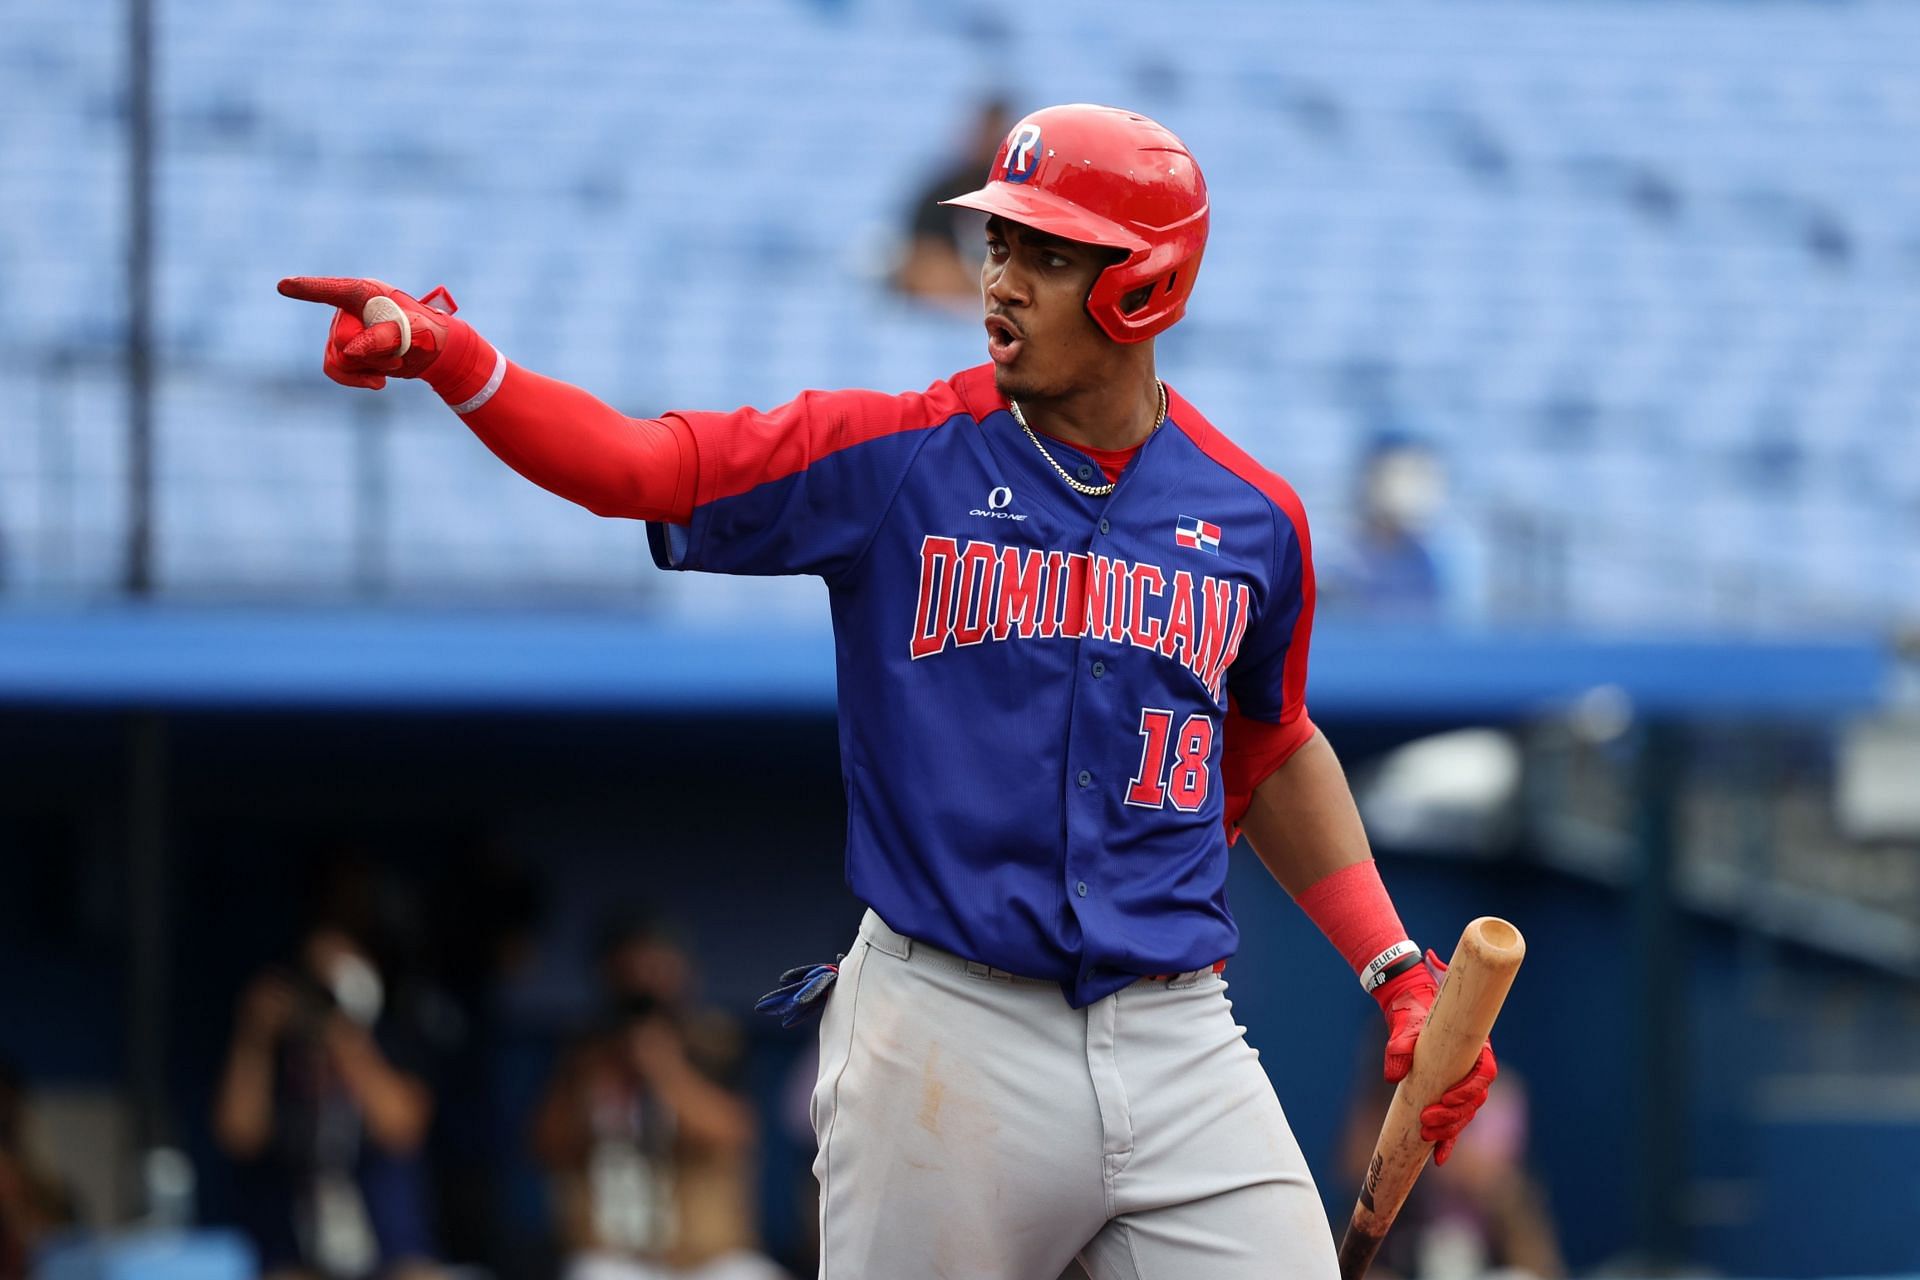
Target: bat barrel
x=1494, y=941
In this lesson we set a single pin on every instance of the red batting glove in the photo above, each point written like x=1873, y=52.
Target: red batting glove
x=1442, y=1121
x=377, y=329
x=1407, y=1000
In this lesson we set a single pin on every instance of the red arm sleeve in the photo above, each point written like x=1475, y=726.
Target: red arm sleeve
x=565, y=440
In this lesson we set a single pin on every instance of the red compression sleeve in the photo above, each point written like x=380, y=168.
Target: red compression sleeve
x=565, y=440
x=1352, y=908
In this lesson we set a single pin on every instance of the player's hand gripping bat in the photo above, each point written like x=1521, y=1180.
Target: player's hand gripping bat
x=1476, y=985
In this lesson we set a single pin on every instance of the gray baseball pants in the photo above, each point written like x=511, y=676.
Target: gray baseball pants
x=973, y=1126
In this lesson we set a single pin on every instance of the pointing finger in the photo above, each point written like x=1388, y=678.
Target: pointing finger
x=335, y=291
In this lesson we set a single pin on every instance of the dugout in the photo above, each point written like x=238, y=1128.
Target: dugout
x=1708, y=1059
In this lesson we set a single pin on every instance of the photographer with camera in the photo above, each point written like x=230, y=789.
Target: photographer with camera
x=651, y=1151
x=324, y=1105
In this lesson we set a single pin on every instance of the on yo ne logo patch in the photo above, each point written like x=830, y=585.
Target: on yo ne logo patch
x=999, y=498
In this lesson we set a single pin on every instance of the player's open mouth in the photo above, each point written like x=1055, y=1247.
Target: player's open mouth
x=1003, y=340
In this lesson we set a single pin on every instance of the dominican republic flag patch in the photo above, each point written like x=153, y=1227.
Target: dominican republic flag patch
x=1194, y=532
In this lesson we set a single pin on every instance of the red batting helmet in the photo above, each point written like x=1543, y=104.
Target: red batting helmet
x=1104, y=176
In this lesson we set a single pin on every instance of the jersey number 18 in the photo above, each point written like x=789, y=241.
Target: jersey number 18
x=1184, y=779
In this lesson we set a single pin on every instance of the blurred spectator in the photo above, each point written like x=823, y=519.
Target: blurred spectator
x=1395, y=566
x=33, y=1201
x=1480, y=1215
x=324, y=1103
x=944, y=248
x=651, y=1151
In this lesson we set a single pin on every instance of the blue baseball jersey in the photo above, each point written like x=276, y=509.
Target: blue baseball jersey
x=1045, y=697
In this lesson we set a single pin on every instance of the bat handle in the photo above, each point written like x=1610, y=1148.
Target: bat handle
x=1356, y=1252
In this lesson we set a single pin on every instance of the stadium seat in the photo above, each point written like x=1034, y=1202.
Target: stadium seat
x=1604, y=259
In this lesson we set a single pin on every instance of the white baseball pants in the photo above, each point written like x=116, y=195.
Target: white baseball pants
x=973, y=1126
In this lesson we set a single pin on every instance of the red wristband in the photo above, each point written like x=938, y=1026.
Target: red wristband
x=1352, y=908
x=462, y=371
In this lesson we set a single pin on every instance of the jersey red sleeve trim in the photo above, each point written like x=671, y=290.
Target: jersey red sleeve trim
x=747, y=448
x=1252, y=752
x=1293, y=685
x=977, y=391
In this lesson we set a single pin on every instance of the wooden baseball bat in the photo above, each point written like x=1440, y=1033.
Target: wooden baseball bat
x=1478, y=978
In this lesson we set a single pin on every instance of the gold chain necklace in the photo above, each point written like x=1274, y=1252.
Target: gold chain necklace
x=1091, y=490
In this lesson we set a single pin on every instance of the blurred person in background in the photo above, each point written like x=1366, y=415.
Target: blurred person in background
x=325, y=1106
x=940, y=261
x=34, y=1203
x=1480, y=1216
x=1395, y=565
x=652, y=1154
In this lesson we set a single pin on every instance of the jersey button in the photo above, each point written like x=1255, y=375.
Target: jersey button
x=1099, y=669
x=1086, y=778
x=1086, y=472
x=1103, y=525
x=1081, y=888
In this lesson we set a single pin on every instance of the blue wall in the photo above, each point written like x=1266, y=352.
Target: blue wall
x=736, y=822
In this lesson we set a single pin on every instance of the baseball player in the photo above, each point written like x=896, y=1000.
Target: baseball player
x=1072, y=622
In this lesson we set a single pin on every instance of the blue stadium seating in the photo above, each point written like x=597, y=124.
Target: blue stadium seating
x=1649, y=276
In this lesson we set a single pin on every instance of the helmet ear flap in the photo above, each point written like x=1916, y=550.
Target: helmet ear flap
x=1134, y=299
x=1164, y=290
